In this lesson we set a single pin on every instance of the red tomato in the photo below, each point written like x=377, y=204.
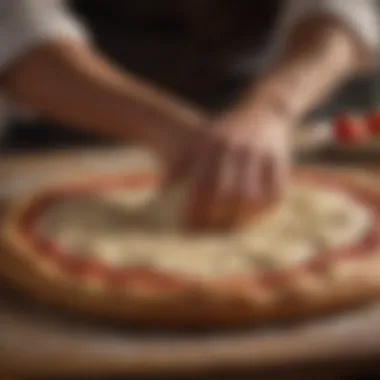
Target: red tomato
x=350, y=129
x=373, y=123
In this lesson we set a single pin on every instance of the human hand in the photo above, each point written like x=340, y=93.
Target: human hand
x=234, y=166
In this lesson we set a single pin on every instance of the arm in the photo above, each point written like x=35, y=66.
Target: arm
x=60, y=75
x=324, y=45
x=69, y=81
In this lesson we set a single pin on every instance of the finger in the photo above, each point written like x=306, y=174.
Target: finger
x=253, y=180
x=235, y=197
x=235, y=164
x=252, y=197
x=277, y=175
x=227, y=174
x=221, y=204
x=239, y=197
x=282, y=176
x=218, y=203
x=204, y=184
x=268, y=176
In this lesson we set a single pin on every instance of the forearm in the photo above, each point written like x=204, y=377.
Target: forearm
x=71, y=83
x=319, y=57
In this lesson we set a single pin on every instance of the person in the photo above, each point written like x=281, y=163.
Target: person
x=134, y=71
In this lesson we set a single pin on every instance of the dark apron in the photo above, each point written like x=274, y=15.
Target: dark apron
x=204, y=51
x=201, y=50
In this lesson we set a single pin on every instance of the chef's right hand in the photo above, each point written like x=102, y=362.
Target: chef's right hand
x=233, y=165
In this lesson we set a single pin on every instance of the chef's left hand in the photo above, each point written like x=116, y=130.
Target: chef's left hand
x=245, y=162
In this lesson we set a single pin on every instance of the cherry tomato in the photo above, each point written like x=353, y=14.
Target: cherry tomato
x=350, y=129
x=373, y=123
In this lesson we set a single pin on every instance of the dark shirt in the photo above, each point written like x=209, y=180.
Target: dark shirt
x=195, y=48
x=204, y=51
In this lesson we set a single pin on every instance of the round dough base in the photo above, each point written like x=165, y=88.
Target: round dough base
x=232, y=301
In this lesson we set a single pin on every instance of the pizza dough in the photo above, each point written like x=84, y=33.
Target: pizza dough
x=114, y=249
x=123, y=229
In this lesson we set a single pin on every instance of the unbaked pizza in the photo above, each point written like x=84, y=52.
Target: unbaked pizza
x=115, y=247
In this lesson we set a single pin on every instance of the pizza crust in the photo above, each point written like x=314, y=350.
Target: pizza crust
x=176, y=300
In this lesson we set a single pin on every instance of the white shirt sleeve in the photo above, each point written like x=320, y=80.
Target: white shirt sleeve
x=361, y=16
x=25, y=24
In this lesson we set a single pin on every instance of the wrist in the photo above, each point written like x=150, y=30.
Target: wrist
x=298, y=82
x=269, y=103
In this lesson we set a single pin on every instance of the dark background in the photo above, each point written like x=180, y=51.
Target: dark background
x=359, y=95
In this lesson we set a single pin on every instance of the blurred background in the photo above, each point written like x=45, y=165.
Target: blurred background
x=164, y=43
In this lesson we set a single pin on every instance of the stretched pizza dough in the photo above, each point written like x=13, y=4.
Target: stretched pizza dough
x=126, y=228
x=101, y=248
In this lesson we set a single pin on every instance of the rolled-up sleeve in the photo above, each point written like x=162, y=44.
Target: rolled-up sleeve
x=24, y=24
x=360, y=16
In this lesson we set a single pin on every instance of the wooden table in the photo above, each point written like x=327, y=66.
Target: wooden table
x=37, y=341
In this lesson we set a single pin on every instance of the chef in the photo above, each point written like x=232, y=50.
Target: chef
x=213, y=87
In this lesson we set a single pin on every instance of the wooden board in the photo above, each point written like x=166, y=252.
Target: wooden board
x=35, y=340
x=340, y=153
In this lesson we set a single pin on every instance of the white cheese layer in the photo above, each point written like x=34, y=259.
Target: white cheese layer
x=120, y=230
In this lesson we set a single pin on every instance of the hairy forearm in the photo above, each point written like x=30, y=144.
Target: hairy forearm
x=319, y=57
x=73, y=84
